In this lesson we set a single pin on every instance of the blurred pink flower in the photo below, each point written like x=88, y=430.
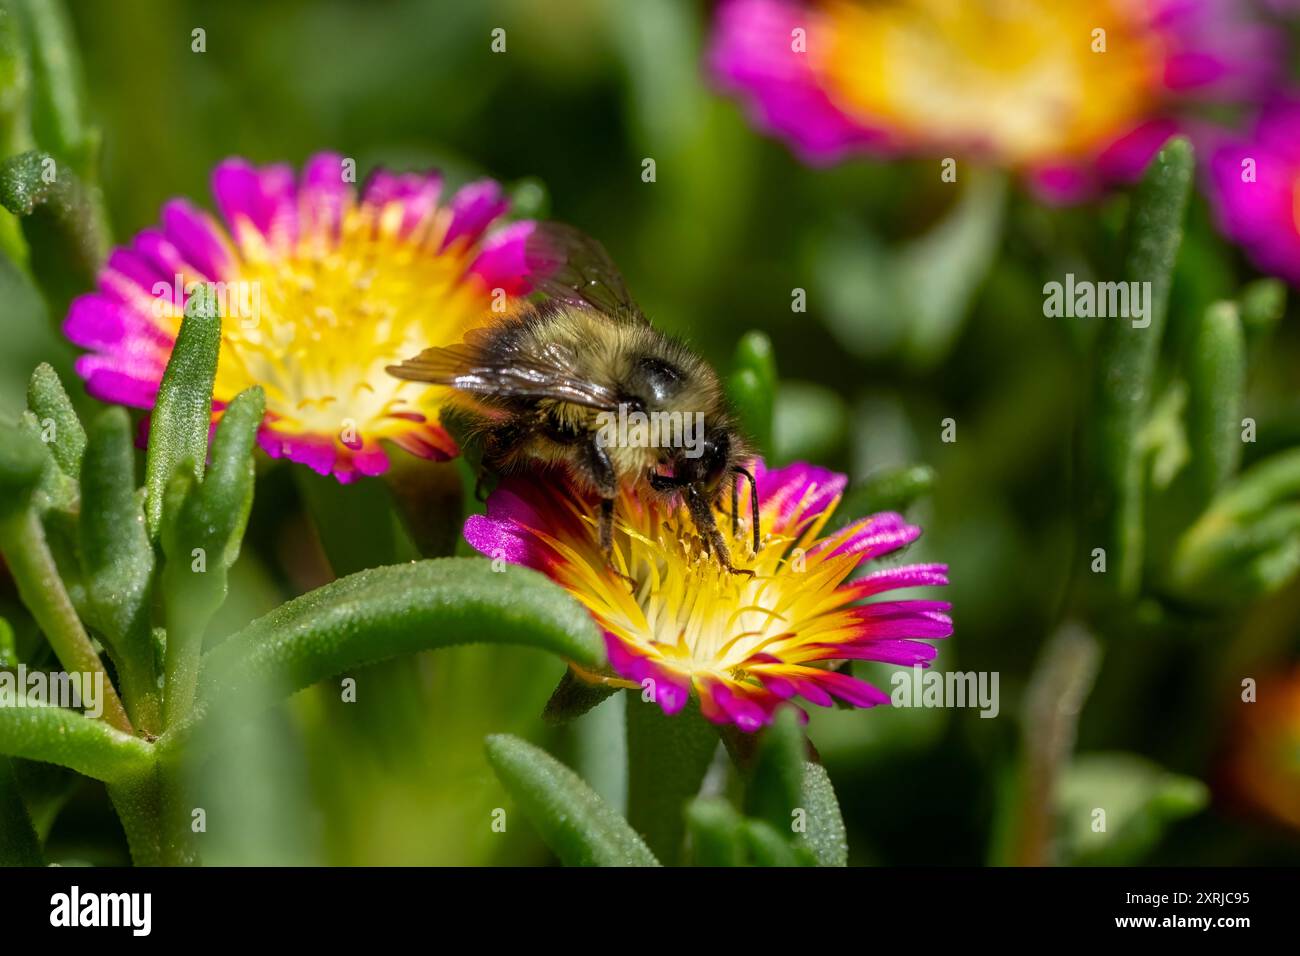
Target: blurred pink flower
x=1255, y=189
x=1073, y=95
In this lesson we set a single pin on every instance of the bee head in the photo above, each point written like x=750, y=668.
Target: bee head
x=709, y=465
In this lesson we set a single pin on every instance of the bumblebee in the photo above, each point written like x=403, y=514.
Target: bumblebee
x=555, y=382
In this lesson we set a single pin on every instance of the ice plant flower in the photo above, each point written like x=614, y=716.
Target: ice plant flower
x=1255, y=187
x=319, y=290
x=1072, y=94
x=741, y=644
x=1263, y=762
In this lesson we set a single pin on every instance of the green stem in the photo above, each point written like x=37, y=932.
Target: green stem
x=156, y=816
x=1057, y=690
x=19, y=845
x=666, y=760
x=22, y=541
x=185, y=629
x=356, y=524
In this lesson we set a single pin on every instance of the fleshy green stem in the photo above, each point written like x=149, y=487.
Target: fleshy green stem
x=155, y=816
x=22, y=541
x=666, y=759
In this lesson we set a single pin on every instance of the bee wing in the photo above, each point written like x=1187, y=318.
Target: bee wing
x=506, y=373
x=579, y=271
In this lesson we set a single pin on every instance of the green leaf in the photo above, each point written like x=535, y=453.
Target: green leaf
x=1140, y=801
x=573, y=697
x=1262, y=303
x=890, y=489
x=68, y=739
x=1126, y=362
x=1247, y=542
x=62, y=219
x=579, y=827
x=8, y=647
x=19, y=845
x=810, y=423
x=357, y=524
x=48, y=401
x=15, y=86
x=23, y=459
x=775, y=787
x=203, y=527
x=938, y=273
x=225, y=498
x=766, y=846
x=380, y=613
x=752, y=388
x=429, y=497
x=117, y=562
x=825, y=833
x=55, y=493
x=56, y=83
x=182, y=415
x=715, y=833
x=1217, y=382
x=666, y=759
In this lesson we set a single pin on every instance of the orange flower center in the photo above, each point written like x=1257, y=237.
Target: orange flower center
x=1028, y=80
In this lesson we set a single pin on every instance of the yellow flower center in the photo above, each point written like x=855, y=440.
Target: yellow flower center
x=694, y=614
x=1027, y=79
x=317, y=327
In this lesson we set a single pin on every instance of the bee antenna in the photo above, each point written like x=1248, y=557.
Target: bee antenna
x=753, y=502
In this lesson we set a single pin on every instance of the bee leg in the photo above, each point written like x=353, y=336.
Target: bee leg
x=753, y=502
x=607, y=527
x=735, y=506
x=662, y=483
x=480, y=488
x=707, y=525
x=606, y=481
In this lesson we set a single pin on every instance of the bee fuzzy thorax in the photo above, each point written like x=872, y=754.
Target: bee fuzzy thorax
x=632, y=427
x=582, y=380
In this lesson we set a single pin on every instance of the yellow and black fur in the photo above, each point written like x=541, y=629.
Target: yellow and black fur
x=539, y=383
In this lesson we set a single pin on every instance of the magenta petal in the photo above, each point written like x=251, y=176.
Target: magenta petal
x=140, y=271
x=503, y=264
x=890, y=651
x=96, y=322
x=324, y=195
x=371, y=460
x=109, y=384
x=264, y=198
x=1125, y=159
x=851, y=690
x=199, y=239
x=473, y=209
x=740, y=709
x=878, y=535
x=798, y=489
x=416, y=192
x=905, y=576
x=752, y=57
x=787, y=688
x=502, y=532
x=317, y=452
